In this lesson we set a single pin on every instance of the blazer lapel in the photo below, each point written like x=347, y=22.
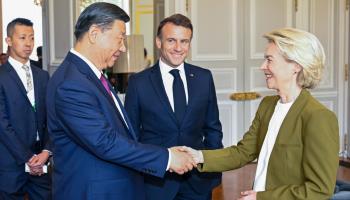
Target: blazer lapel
x=85, y=69
x=292, y=116
x=158, y=85
x=17, y=80
x=129, y=125
x=36, y=88
x=190, y=78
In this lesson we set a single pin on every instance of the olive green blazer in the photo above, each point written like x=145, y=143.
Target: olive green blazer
x=304, y=160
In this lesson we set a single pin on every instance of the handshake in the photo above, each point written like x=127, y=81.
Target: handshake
x=183, y=159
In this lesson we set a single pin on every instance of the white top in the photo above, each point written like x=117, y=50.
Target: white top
x=168, y=80
x=275, y=123
x=98, y=73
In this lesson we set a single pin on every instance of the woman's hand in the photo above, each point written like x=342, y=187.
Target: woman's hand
x=248, y=195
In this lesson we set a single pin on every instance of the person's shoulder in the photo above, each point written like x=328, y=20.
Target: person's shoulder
x=196, y=68
x=4, y=69
x=144, y=73
x=313, y=105
x=198, y=71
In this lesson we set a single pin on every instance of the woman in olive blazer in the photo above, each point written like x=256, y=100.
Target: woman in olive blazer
x=301, y=160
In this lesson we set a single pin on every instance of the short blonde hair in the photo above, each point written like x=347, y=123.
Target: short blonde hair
x=303, y=48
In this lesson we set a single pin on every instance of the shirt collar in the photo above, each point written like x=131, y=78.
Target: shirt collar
x=165, y=68
x=93, y=67
x=16, y=64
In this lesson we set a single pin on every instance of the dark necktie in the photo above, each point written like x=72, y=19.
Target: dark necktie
x=105, y=84
x=179, y=95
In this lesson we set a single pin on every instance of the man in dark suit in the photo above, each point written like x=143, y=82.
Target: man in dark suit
x=174, y=103
x=96, y=154
x=23, y=135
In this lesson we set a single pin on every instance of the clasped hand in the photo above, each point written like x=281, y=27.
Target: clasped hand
x=183, y=159
x=36, y=163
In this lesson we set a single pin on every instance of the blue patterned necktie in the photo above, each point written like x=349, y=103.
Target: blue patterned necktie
x=179, y=95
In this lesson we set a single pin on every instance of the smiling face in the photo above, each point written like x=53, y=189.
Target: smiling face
x=110, y=44
x=280, y=73
x=174, y=44
x=21, y=43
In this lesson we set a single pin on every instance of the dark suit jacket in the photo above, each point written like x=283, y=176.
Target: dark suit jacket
x=304, y=160
x=19, y=124
x=96, y=156
x=155, y=123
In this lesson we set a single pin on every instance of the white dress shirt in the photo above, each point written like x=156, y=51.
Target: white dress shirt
x=275, y=123
x=98, y=73
x=168, y=80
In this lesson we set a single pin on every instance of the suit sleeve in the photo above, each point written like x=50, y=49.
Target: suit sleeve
x=8, y=135
x=79, y=112
x=320, y=161
x=132, y=105
x=234, y=157
x=212, y=127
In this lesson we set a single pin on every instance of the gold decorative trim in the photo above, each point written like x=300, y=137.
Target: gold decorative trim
x=243, y=96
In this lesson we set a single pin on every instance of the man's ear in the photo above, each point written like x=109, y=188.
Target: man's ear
x=8, y=41
x=93, y=33
x=158, y=42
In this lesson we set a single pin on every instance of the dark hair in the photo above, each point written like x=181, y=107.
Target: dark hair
x=39, y=51
x=101, y=14
x=145, y=52
x=18, y=21
x=176, y=19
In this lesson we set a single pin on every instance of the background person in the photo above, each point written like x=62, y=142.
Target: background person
x=162, y=116
x=23, y=134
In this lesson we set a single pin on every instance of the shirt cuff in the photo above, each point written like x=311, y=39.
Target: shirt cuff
x=50, y=153
x=169, y=160
x=201, y=158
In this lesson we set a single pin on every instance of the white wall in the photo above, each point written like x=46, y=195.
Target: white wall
x=27, y=9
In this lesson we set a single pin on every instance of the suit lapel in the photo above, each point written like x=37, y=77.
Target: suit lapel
x=158, y=85
x=129, y=125
x=190, y=79
x=17, y=80
x=36, y=83
x=85, y=69
x=291, y=117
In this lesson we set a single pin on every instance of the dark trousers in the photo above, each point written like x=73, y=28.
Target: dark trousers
x=187, y=193
x=37, y=188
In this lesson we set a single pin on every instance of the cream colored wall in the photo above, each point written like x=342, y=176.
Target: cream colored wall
x=142, y=23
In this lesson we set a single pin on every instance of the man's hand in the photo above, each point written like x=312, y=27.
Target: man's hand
x=196, y=154
x=181, y=162
x=248, y=195
x=37, y=162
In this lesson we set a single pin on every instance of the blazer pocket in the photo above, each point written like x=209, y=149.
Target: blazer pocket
x=109, y=189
